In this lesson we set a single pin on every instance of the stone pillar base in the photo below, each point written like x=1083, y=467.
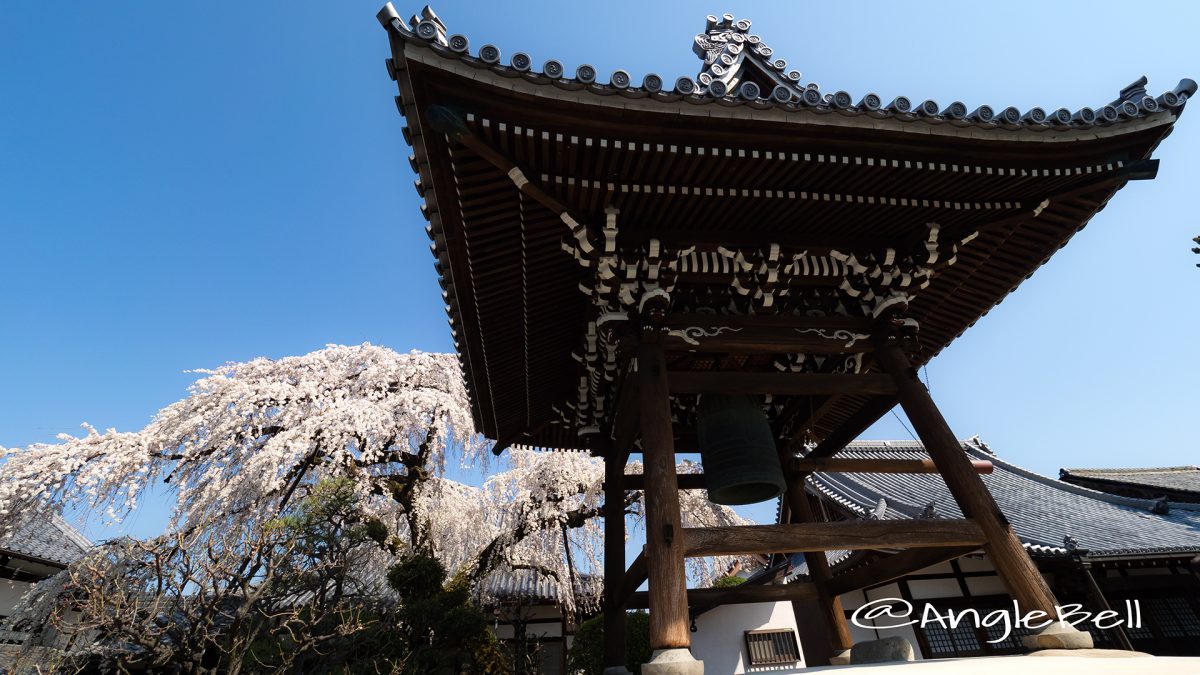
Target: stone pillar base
x=841, y=658
x=673, y=662
x=1058, y=635
x=886, y=650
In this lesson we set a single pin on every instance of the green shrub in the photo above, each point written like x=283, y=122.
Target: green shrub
x=587, y=649
x=728, y=581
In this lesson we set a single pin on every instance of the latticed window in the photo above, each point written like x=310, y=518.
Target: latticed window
x=966, y=639
x=1170, y=621
x=772, y=647
x=1010, y=643
x=958, y=641
x=1174, y=616
x=1141, y=632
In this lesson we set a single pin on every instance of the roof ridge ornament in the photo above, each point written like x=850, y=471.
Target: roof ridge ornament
x=728, y=50
x=739, y=65
x=428, y=26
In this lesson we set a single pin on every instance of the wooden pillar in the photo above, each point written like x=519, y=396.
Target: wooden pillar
x=1022, y=578
x=664, y=535
x=614, y=558
x=1097, y=594
x=818, y=568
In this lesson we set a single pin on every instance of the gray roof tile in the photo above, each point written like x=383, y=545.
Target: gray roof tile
x=729, y=50
x=1042, y=510
x=1175, y=478
x=530, y=585
x=48, y=538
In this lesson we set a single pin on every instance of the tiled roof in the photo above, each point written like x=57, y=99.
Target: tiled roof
x=1174, y=478
x=800, y=563
x=529, y=585
x=739, y=69
x=1043, y=511
x=48, y=538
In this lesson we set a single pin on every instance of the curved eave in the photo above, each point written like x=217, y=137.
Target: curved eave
x=418, y=64
x=407, y=46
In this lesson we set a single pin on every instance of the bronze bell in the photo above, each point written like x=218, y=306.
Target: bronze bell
x=737, y=448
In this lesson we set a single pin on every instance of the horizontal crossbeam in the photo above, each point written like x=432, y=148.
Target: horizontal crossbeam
x=794, y=384
x=853, y=535
x=696, y=481
x=892, y=567
x=716, y=336
x=744, y=594
x=685, y=481
x=852, y=465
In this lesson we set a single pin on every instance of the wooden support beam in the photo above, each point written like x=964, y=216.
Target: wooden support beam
x=1022, y=578
x=614, y=560
x=626, y=416
x=784, y=322
x=1101, y=602
x=799, y=416
x=810, y=384
x=696, y=481
x=734, y=595
x=708, y=338
x=633, y=577
x=1145, y=169
x=893, y=567
x=850, y=465
x=664, y=535
x=447, y=121
x=868, y=414
x=799, y=510
x=751, y=334
x=753, y=238
x=852, y=535
x=684, y=481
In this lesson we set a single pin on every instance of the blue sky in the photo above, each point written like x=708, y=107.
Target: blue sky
x=179, y=189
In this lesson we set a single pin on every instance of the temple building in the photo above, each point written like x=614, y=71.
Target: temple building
x=37, y=550
x=1095, y=549
x=1171, y=483
x=748, y=266
x=529, y=618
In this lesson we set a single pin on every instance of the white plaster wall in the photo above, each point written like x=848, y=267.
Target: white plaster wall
x=892, y=591
x=719, y=640
x=850, y=602
x=925, y=589
x=537, y=630
x=975, y=564
x=986, y=586
x=10, y=594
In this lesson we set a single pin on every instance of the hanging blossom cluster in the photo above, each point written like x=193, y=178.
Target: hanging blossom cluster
x=552, y=528
x=249, y=435
x=253, y=438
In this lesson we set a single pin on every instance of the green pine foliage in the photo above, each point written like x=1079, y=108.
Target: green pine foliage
x=431, y=627
x=587, y=650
